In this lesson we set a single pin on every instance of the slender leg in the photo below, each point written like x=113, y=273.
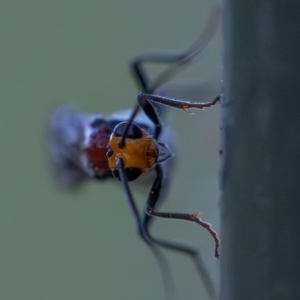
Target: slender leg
x=162, y=58
x=143, y=98
x=188, y=250
x=188, y=217
x=143, y=101
x=143, y=82
x=177, y=61
x=162, y=262
x=142, y=79
x=152, y=200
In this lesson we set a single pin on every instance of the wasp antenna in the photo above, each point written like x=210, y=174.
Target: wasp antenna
x=121, y=142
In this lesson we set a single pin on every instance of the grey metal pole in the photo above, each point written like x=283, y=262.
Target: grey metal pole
x=261, y=170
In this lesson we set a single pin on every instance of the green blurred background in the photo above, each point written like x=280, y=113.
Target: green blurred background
x=57, y=244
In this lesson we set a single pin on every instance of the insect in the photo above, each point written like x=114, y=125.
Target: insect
x=86, y=146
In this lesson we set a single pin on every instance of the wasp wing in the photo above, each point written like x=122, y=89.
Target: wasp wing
x=67, y=131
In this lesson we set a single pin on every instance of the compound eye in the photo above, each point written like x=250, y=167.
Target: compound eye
x=131, y=173
x=134, y=132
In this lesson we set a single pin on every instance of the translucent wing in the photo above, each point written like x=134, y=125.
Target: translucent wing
x=66, y=138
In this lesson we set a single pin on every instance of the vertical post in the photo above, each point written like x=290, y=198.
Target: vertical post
x=261, y=161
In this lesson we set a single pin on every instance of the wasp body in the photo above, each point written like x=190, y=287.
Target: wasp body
x=127, y=146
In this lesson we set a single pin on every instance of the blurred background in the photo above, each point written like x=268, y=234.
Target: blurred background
x=82, y=244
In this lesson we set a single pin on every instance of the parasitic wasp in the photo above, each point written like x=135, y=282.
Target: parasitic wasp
x=127, y=145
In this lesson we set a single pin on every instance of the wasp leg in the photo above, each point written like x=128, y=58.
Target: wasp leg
x=144, y=99
x=175, y=103
x=161, y=58
x=154, y=195
x=144, y=102
x=143, y=82
x=176, y=60
x=188, y=250
x=192, y=252
x=161, y=260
